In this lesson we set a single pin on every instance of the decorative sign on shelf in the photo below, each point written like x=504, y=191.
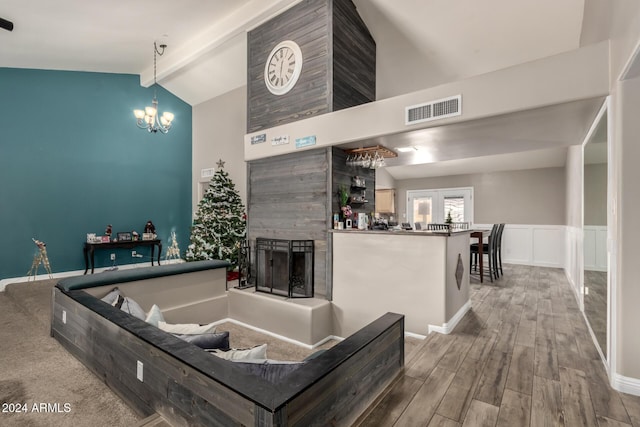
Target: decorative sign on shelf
x=280, y=140
x=306, y=141
x=258, y=139
x=206, y=173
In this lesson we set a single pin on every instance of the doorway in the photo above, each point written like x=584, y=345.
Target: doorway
x=434, y=206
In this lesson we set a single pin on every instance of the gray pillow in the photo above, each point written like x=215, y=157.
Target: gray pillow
x=269, y=370
x=208, y=341
x=112, y=296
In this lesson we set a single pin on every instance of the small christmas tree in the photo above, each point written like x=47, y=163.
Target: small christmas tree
x=449, y=220
x=220, y=223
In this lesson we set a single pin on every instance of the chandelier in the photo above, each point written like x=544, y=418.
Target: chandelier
x=148, y=118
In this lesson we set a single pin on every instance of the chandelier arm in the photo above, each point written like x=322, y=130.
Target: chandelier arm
x=153, y=122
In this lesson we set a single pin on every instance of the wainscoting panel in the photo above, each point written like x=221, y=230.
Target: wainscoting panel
x=595, y=248
x=517, y=244
x=539, y=245
x=548, y=246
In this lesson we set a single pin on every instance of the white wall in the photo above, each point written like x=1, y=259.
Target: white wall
x=384, y=180
x=625, y=102
x=595, y=195
x=578, y=74
x=219, y=126
x=533, y=196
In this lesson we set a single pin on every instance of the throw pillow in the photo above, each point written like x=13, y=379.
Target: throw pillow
x=186, y=328
x=270, y=370
x=257, y=352
x=208, y=341
x=128, y=305
x=112, y=296
x=154, y=316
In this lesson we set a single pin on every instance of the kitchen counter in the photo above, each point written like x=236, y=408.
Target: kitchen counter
x=405, y=232
x=377, y=271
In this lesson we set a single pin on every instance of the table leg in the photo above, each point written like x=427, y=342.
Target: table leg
x=86, y=260
x=153, y=250
x=159, y=251
x=93, y=261
x=480, y=250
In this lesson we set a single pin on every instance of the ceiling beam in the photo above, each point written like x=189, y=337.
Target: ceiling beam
x=249, y=16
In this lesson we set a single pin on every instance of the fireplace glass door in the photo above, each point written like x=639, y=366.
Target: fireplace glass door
x=285, y=267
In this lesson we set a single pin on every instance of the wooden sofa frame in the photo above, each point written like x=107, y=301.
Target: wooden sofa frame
x=187, y=386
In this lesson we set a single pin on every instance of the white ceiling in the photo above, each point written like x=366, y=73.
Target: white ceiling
x=420, y=43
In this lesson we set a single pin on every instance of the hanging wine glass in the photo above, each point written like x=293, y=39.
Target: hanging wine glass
x=366, y=160
x=349, y=160
x=375, y=161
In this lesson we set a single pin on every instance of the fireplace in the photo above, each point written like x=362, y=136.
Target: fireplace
x=285, y=267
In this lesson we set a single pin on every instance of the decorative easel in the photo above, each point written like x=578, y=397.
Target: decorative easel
x=38, y=258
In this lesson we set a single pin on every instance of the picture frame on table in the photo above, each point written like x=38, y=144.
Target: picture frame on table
x=124, y=237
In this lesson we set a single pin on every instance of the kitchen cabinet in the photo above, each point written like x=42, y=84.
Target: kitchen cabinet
x=385, y=201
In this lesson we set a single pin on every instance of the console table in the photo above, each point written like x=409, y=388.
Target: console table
x=89, y=249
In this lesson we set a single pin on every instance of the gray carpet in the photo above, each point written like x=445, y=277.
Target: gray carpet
x=37, y=369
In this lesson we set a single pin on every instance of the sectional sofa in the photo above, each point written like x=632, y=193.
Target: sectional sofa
x=157, y=372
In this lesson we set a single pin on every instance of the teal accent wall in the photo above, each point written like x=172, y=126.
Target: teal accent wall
x=72, y=161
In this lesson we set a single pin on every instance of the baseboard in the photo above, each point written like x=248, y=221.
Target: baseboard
x=280, y=337
x=626, y=384
x=412, y=335
x=59, y=275
x=448, y=327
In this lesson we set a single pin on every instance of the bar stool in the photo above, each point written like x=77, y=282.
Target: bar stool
x=488, y=249
x=498, y=251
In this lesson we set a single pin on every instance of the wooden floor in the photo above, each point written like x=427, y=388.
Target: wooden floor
x=522, y=356
x=595, y=304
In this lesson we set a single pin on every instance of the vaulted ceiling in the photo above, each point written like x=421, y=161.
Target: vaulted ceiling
x=420, y=43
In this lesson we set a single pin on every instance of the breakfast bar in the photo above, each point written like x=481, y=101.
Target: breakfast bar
x=421, y=274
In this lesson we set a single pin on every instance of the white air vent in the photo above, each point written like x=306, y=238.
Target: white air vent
x=434, y=110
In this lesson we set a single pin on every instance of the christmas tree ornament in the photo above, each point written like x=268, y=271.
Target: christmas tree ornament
x=220, y=222
x=40, y=258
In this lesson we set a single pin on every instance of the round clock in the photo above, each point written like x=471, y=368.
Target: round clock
x=283, y=67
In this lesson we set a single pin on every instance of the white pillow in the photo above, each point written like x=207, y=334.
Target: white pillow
x=112, y=297
x=154, y=316
x=258, y=352
x=186, y=328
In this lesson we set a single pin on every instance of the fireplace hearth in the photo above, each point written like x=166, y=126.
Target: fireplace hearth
x=285, y=267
